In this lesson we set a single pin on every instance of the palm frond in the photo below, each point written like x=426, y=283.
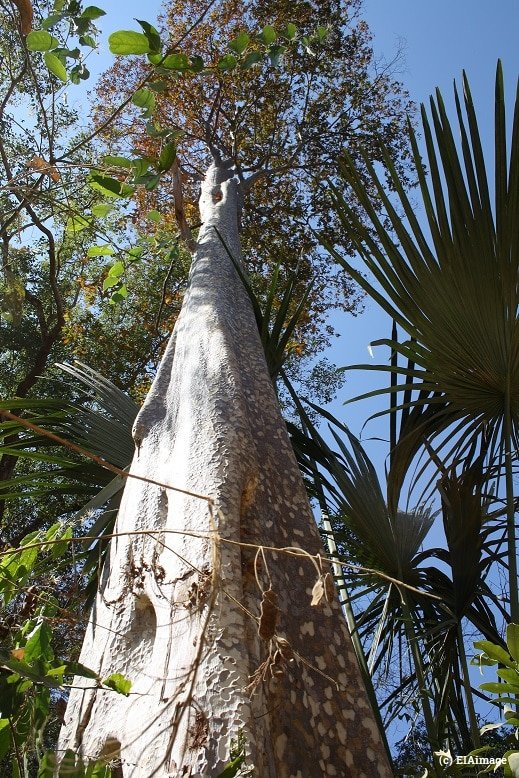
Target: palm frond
x=457, y=293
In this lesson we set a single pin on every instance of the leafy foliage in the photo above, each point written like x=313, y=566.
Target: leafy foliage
x=264, y=100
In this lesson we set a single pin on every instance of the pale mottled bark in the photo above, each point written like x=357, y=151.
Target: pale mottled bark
x=211, y=424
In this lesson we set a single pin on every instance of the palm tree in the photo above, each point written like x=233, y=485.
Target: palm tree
x=412, y=605
x=454, y=292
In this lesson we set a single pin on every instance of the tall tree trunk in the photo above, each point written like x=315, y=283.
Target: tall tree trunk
x=177, y=612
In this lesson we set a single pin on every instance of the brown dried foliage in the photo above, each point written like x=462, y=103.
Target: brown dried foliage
x=292, y=120
x=269, y=614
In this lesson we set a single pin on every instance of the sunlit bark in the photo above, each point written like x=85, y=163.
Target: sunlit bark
x=178, y=613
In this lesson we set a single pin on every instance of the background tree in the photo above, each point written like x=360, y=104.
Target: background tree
x=285, y=116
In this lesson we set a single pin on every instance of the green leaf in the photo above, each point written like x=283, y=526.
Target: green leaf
x=69, y=767
x=109, y=282
x=151, y=182
x=251, y=59
x=101, y=251
x=158, y=86
x=227, y=62
x=499, y=688
x=62, y=53
x=82, y=25
x=493, y=652
x=77, y=223
x=321, y=33
x=118, y=683
x=25, y=671
x=98, y=770
x=110, y=187
x=41, y=40
x=140, y=167
x=117, y=161
x=76, y=668
x=167, y=157
x=117, y=269
x=50, y=21
x=152, y=35
x=88, y=40
x=240, y=43
x=155, y=131
x=48, y=765
x=145, y=99
x=231, y=768
x=154, y=216
x=512, y=640
x=177, y=61
x=196, y=64
x=79, y=73
x=101, y=210
x=58, y=533
x=57, y=672
x=92, y=12
x=126, y=42
x=268, y=35
x=119, y=295
x=276, y=55
x=509, y=675
x=56, y=66
x=38, y=646
x=154, y=58
x=290, y=31
x=305, y=40
x=5, y=738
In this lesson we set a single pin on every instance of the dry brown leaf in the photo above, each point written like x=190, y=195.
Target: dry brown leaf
x=268, y=615
x=329, y=588
x=37, y=163
x=18, y=653
x=323, y=587
x=285, y=649
x=317, y=592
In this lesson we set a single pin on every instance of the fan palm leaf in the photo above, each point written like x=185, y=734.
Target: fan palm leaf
x=393, y=617
x=99, y=420
x=455, y=291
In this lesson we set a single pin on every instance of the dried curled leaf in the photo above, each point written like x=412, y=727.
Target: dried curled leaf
x=268, y=615
x=329, y=589
x=25, y=10
x=285, y=649
x=323, y=587
x=317, y=591
x=37, y=163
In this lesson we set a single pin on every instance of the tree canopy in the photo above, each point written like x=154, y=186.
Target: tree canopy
x=280, y=119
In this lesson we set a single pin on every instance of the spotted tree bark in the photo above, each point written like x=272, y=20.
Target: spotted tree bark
x=221, y=642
